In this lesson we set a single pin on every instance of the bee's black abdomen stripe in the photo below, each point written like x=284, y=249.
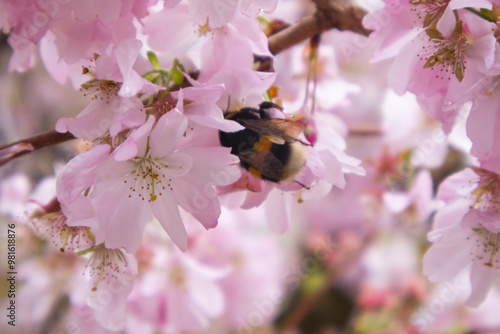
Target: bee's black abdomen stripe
x=282, y=152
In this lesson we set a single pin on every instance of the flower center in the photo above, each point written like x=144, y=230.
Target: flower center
x=486, y=247
x=53, y=227
x=487, y=193
x=148, y=180
x=106, y=264
x=446, y=53
x=429, y=11
x=99, y=89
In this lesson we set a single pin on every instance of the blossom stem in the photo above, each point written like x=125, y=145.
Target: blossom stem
x=42, y=140
x=329, y=14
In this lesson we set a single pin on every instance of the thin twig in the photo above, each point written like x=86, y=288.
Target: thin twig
x=34, y=143
x=329, y=14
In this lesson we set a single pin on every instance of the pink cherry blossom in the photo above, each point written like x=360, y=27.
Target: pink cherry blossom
x=155, y=227
x=159, y=28
x=201, y=107
x=418, y=200
x=420, y=49
x=483, y=128
x=116, y=106
x=147, y=176
x=255, y=259
x=14, y=190
x=229, y=61
x=73, y=31
x=179, y=292
x=111, y=274
x=466, y=232
x=218, y=12
x=56, y=228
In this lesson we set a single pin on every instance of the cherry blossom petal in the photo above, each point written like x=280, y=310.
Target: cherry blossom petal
x=457, y=4
x=483, y=128
x=167, y=132
x=333, y=169
x=481, y=279
x=171, y=3
x=73, y=38
x=207, y=296
x=446, y=258
x=393, y=28
x=217, y=12
x=213, y=165
x=135, y=143
x=250, y=30
x=200, y=201
x=80, y=212
x=177, y=164
x=227, y=51
x=397, y=202
x=254, y=199
x=171, y=44
x=84, y=125
x=252, y=8
x=89, y=11
x=458, y=185
x=451, y=213
x=110, y=313
x=126, y=53
x=23, y=57
x=183, y=314
x=121, y=218
x=166, y=211
x=80, y=173
x=127, y=114
x=203, y=109
x=277, y=212
x=490, y=219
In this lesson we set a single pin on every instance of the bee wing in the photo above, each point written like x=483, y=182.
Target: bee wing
x=280, y=130
x=276, y=139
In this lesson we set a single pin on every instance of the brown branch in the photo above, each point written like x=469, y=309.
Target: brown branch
x=329, y=14
x=25, y=146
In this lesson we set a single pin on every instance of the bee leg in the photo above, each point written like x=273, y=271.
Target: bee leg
x=303, y=185
x=303, y=142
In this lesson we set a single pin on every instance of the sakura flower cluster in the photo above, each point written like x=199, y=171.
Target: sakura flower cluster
x=158, y=80
x=146, y=223
x=466, y=231
x=446, y=53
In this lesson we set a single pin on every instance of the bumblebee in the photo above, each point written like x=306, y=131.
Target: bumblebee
x=268, y=147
